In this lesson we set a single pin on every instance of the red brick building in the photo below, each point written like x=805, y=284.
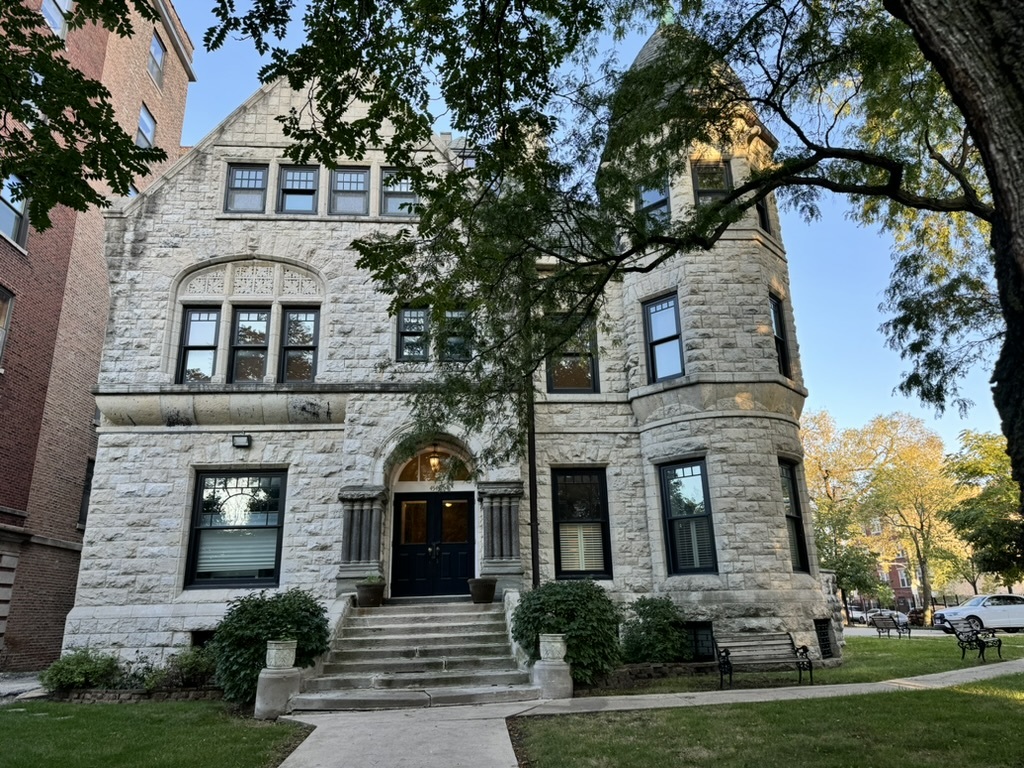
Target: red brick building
x=53, y=311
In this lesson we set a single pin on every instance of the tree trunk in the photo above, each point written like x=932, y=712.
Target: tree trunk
x=975, y=45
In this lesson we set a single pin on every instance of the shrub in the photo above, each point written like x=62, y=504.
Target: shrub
x=581, y=611
x=240, y=642
x=192, y=667
x=655, y=633
x=83, y=668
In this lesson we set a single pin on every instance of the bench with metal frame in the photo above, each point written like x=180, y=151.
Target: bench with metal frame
x=888, y=625
x=774, y=649
x=971, y=638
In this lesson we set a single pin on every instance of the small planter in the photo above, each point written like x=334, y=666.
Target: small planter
x=370, y=594
x=482, y=589
x=281, y=654
x=552, y=647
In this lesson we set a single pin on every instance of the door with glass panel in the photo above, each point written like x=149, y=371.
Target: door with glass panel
x=433, y=544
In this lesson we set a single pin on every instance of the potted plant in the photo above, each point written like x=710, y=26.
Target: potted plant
x=370, y=591
x=482, y=589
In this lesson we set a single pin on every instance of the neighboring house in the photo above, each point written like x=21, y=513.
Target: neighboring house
x=53, y=309
x=253, y=393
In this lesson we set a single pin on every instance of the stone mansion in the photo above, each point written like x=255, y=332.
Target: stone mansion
x=249, y=432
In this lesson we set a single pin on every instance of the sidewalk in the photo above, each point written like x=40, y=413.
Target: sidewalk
x=14, y=684
x=476, y=737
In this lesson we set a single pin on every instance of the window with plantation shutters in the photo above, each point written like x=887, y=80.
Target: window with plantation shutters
x=582, y=546
x=690, y=535
x=236, y=529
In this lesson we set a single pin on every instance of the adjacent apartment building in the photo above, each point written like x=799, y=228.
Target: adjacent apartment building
x=253, y=396
x=54, y=299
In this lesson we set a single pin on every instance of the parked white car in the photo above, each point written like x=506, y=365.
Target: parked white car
x=984, y=612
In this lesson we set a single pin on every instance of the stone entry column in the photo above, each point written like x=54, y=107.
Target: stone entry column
x=499, y=511
x=362, y=510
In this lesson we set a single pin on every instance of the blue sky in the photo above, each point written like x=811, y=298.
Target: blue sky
x=838, y=271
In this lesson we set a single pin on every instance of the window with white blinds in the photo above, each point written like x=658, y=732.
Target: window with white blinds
x=690, y=535
x=236, y=529
x=582, y=546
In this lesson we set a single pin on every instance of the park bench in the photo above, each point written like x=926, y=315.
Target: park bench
x=888, y=625
x=971, y=639
x=773, y=649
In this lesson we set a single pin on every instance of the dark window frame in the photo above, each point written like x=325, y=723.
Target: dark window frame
x=6, y=313
x=285, y=347
x=707, y=195
x=590, y=355
x=196, y=532
x=602, y=519
x=796, y=534
x=241, y=183
x=155, y=64
x=388, y=191
x=764, y=220
x=185, y=347
x=673, y=563
x=777, y=309
x=660, y=207
x=404, y=332
x=235, y=346
x=652, y=344
x=143, y=137
x=455, y=320
x=17, y=210
x=287, y=189
x=363, y=194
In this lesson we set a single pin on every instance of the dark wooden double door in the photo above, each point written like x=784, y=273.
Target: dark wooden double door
x=433, y=544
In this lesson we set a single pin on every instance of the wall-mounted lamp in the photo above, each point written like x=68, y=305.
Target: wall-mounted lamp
x=241, y=441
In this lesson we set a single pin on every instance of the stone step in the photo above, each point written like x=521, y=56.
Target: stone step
x=376, y=652
x=366, y=699
x=439, y=679
x=423, y=609
x=393, y=638
x=436, y=664
x=414, y=622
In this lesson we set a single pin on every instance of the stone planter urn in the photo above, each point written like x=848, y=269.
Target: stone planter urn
x=281, y=654
x=370, y=594
x=482, y=589
x=552, y=647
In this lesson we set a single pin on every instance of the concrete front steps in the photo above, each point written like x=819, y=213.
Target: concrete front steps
x=418, y=654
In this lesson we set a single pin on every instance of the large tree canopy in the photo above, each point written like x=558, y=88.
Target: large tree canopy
x=58, y=132
x=910, y=107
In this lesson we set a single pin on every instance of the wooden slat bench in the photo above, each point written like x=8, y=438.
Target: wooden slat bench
x=888, y=625
x=971, y=639
x=762, y=649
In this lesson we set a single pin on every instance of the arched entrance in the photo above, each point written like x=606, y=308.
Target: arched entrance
x=433, y=550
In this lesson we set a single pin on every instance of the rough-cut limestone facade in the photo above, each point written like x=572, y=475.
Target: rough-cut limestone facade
x=336, y=438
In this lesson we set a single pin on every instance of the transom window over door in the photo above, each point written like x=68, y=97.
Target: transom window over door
x=684, y=499
x=236, y=529
x=580, y=505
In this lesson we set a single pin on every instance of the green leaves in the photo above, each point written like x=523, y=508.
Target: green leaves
x=60, y=132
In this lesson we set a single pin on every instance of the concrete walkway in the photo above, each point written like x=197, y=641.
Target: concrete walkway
x=476, y=737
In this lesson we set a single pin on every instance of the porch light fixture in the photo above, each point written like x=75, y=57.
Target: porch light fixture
x=241, y=441
x=434, y=459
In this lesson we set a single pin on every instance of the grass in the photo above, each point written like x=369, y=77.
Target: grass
x=150, y=734
x=865, y=660
x=974, y=724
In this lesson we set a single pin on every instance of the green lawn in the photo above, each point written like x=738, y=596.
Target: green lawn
x=865, y=660
x=976, y=724
x=146, y=735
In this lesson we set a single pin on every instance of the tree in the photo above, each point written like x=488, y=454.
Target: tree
x=987, y=519
x=838, y=467
x=887, y=102
x=58, y=134
x=908, y=494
